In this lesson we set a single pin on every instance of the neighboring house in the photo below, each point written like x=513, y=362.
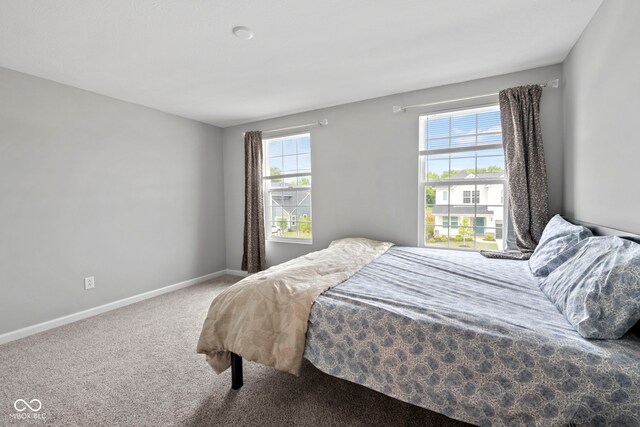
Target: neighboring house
x=289, y=206
x=481, y=204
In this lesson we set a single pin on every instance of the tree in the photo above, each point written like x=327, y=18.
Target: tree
x=304, y=181
x=283, y=221
x=429, y=229
x=430, y=196
x=305, y=225
x=273, y=170
x=492, y=168
x=465, y=231
x=449, y=173
x=431, y=176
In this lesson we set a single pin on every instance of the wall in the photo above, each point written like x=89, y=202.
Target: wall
x=93, y=186
x=365, y=165
x=602, y=106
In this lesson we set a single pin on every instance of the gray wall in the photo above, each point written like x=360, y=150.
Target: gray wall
x=90, y=185
x=365, y=164
x=602, y=107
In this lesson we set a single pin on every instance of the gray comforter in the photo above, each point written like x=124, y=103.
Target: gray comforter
x=472, y=338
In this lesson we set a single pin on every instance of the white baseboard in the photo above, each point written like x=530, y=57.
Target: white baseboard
x=50, y=324
x=237, y=273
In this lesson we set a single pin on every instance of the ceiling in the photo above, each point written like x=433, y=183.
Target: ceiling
x=181, y=57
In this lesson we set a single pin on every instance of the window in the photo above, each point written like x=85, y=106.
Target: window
x=287, y=188
x=466, y=197
x=462, y=179
x=454, y=221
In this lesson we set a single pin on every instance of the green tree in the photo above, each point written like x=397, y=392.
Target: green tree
x=449, y=173
x=465, y=231
x=492, y=168
x=432, y=176
x=283, y=221
x=430, y=195
x=274, y=170
x=304, y=181
x=305, y=226
x=429, y=229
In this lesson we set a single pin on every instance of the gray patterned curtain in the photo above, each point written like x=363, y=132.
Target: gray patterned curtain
x=253, y=258
x=526, y=168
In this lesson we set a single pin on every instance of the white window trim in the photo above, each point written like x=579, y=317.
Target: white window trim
x=265, y=191
x=422, y=182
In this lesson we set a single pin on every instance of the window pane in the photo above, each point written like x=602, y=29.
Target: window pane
x=437, y=168
x=490, y=167
x=276, y=212
x=462, y=167
x=274, y=229
x=275, y=148
x=275, y=198
x=437, y=128
x=289, y=164
x=463, y=124
x=436, y=235
x=304, y=228
x=291, y=181
x=304, y=145
x=275, y=166
x=463, y=141
x=489, y=121
x=304, y=198
x=304, y=163
x=491, y=239
x=304, y=180
x=490, y=139
x=288, y=146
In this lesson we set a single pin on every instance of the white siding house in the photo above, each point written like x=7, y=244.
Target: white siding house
x=476, y=208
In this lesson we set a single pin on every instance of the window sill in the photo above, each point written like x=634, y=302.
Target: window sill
x=289, y=240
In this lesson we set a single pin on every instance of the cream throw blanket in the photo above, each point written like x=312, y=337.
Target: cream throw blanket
x=264, y=317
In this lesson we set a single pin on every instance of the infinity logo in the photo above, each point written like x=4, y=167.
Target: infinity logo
x=21, y=403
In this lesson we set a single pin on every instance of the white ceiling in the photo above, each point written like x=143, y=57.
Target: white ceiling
x=180, y=56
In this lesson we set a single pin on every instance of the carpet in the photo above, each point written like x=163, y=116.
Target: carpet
x=137, y=366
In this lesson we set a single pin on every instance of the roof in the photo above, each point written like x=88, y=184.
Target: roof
x=461, y=210
x=463, y=174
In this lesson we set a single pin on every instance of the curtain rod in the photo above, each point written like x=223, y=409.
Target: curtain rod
x=322, y=122
x=398, y=108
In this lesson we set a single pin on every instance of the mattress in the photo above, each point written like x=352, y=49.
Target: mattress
x=472, y=338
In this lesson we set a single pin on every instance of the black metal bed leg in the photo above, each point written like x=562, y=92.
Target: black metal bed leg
x=236, y=371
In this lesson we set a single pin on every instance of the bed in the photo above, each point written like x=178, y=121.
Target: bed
x=472, y=338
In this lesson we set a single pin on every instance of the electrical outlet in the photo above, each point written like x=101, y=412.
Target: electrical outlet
x=89, y=282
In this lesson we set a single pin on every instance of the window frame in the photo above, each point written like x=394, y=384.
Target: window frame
x=423, y=183
x=266, y=190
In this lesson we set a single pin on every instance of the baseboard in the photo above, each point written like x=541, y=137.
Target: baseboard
x=50, y=324
x=237, y=273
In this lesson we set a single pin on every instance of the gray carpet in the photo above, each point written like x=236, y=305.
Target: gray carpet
x=137, y=366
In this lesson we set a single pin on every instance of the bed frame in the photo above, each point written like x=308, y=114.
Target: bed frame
x=598, y=230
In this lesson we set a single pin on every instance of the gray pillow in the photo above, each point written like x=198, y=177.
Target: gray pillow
x=598, y=289
x=557, y=245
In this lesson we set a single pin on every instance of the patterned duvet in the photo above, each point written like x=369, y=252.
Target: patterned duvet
x=472, y=338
